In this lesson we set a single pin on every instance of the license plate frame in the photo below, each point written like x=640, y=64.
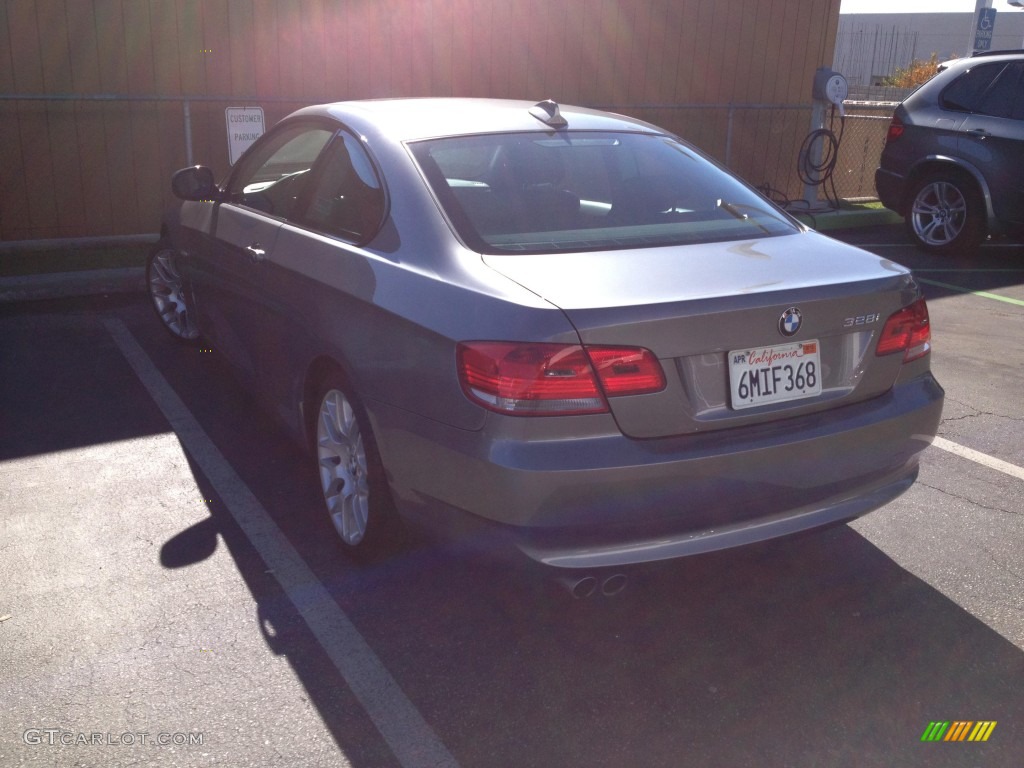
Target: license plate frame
x=778, y=373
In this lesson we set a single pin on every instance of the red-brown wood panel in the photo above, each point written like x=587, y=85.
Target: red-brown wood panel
x=241, y=47
x=312, y=51
x=217, y=47
x=500, y=53
x=13, y=205
x=363, y=81
x=639, y=52
x=33, y=126
x=378, y=51
x=442, y=37
x=83, y=47
x=478, y=19
x=785, y=75
x=729, y=68
x=599, y=74
x=117, y=123
x=265, y=64
x=289, y=48
x=88, y=118
x=650, y=57
x=6, y=59
x=570, y=44
x=585, y=19
x=711, y=81
x=55, y=52
x=145, y=117
x=775, y=53
x=398, y=49
x=682, y=92
x=540, y=75
x=165, y=48
x=114, y=158
x=461, y=21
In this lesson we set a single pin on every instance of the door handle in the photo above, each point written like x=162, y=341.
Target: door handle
x=256, y=253
x=978, y=132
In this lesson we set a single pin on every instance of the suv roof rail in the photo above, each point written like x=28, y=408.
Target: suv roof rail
x=944, y=65
x=1004, y=52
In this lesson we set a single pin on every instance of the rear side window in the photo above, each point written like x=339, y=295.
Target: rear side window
x=582, y=190
x=1005, y=97
x=968, y=92
x=346, y=198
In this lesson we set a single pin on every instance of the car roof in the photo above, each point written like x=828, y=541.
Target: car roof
x=983, y=57
x=422, y=118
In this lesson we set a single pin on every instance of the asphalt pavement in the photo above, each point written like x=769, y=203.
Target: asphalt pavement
x=171, y=599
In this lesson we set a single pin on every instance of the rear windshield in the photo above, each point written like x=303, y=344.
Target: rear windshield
x=545, y=192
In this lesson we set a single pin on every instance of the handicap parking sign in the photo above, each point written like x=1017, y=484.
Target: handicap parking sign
x=983, y=29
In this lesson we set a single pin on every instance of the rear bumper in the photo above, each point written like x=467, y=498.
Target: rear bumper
x=891, y=189
x=601, y=499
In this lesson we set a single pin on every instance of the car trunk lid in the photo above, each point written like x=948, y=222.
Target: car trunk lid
x=707, y=310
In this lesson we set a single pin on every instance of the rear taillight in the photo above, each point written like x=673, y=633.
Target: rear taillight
x=554, y=379
x=895, y=129
x=907, y=331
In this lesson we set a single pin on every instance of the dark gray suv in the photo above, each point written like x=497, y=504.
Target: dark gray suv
x=953, y=163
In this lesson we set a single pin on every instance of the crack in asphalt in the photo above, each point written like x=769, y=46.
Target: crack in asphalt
x=977, y=413
x=969, y=500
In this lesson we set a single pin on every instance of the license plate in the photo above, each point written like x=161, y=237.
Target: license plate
x=774, y=374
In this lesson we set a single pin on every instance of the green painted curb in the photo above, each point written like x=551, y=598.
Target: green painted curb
x=827, y=220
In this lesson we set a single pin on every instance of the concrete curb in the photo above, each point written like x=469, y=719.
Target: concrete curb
x=62, y=285
x=92, y=282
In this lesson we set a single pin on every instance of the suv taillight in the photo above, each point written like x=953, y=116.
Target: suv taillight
x=527, y=379
x=907, y=331
x=895, y=129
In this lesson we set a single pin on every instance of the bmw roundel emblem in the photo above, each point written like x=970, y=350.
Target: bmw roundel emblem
x=790, y=321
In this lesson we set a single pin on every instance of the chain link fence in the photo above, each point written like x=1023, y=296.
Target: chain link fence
x=863, y=138
x=99, y=165
x=762, y=142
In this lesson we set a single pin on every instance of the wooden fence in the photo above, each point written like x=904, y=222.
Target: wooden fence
x=75, y=167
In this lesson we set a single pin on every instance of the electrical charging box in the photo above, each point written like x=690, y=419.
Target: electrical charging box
x=830, y=86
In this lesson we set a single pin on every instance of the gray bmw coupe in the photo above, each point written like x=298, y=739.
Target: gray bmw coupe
x=565, y=328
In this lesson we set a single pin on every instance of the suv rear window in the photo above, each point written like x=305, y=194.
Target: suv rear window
x=988, y=89
x=582, y=190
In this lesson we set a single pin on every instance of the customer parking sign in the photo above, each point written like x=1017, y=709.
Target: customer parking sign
x=245, y=125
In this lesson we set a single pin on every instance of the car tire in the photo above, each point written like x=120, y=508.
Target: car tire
x=945, y=214
x=169, y=295
x=353, y=484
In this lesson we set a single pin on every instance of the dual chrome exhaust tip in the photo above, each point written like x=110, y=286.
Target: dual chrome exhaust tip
x=581, y=587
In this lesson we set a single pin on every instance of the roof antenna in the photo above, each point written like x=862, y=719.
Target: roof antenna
x=547, y=112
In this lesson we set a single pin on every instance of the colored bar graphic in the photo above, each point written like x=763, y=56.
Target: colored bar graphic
x=958, y=730
x=982, y=731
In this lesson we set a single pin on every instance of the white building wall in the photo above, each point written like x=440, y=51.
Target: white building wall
x=870, y=46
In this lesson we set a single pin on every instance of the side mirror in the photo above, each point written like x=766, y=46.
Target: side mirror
x=195, y=183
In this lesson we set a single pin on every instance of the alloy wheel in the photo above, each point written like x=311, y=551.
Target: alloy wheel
x=939, y=213
x=169, y=297
x=342, y=459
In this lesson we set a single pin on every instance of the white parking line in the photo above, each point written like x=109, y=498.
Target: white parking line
x=981, y=458
x=410, y=738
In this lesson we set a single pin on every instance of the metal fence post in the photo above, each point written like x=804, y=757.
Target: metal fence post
x=188, y=131
x=728, y=136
